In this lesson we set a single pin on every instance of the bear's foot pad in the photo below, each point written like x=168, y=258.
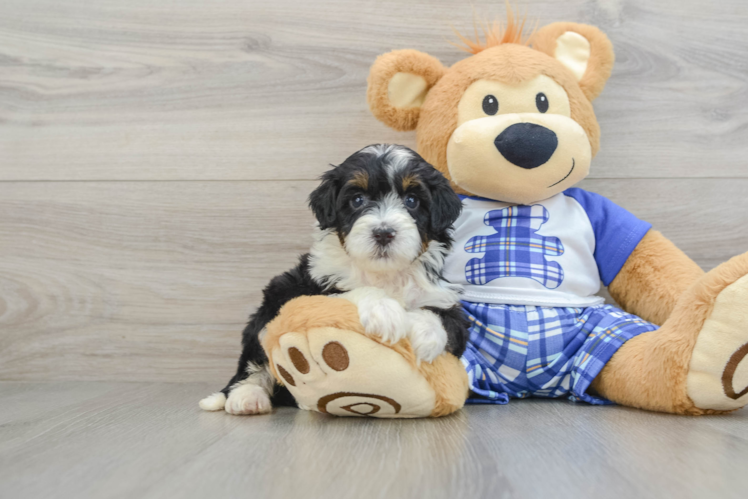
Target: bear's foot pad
x=344, y=373
x=718, y=374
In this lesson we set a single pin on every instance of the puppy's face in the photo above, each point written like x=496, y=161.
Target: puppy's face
x=386, y=204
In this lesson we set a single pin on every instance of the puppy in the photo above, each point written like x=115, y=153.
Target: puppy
x=385, y=220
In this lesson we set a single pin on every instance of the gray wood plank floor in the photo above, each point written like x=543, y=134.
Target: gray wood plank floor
x=119, y=439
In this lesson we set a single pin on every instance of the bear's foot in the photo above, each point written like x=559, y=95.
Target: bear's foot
x=344, y=373
x=320, y=351
x=697, y=362
x=718, y=374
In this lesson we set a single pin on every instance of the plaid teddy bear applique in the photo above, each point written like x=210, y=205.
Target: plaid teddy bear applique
x=516, y=250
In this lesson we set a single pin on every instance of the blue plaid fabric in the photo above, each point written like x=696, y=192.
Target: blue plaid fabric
x=516, y=249
x=523, y=351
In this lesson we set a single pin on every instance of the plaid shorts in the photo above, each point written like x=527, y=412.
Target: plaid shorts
x=523, y=351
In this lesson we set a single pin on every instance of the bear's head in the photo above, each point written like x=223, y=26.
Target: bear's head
x=511, y=122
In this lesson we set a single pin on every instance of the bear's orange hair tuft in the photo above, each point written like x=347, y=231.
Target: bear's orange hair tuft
x=495, y=34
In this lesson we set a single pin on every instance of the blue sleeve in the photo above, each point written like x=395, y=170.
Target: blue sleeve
x=617, y=231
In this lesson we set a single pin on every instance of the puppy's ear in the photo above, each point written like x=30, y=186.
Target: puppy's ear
x=323, y=200
x=583, y=49
x=446, y=206
x=398, y=84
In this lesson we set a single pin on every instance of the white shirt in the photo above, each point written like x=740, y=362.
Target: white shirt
x=543, y=254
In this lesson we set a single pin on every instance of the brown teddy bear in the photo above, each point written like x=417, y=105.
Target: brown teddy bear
x=513, y=128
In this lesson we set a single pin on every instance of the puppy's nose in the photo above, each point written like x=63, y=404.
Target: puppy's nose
x=384, y=235
x=527, y=145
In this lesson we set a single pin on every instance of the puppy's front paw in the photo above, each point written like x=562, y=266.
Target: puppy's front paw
x=427, y=335
x=248, y=399
x=383, y=317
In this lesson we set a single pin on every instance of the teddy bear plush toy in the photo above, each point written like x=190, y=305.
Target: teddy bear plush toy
x=512, y=126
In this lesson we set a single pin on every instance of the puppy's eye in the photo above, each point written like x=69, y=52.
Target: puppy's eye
x=490, y=105
x=411, y=202
x=357, y=201
x=541, y=101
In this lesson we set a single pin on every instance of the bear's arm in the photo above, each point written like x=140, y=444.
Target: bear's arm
x=653, y=278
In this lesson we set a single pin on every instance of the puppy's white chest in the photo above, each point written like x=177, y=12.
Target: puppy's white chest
x=403, y=289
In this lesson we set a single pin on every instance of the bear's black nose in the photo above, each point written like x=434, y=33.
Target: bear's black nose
x=527, y=145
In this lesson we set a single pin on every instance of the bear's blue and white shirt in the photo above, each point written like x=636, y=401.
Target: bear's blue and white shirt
x=553, y=253
x=531, y=274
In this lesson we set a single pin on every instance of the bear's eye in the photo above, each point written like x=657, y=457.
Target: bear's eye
x=357, y=201
x=541, y=101
x=490, y=105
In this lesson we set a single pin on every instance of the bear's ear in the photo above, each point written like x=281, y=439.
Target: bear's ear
x=583, y=49
x=398, y=84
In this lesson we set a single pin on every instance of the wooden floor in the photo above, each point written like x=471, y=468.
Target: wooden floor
x=109, y=439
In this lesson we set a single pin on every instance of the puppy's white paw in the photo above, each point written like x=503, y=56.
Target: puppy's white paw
x=214, y=402
x=384, y=317
x=248, y=399
x=427, y=335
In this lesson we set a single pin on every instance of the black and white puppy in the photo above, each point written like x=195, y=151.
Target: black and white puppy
x=385, y=220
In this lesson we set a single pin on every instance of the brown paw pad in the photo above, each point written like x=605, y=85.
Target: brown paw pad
x=729, y=374
x=335, y=356
x=358, y=404
x=298, y=360
x=287, y=377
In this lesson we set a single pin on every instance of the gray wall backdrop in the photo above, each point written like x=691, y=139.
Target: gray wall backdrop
x=155, y=156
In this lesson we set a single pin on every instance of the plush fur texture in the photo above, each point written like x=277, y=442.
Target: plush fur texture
x=654, y=277
x=384, y=69
x=511, y=64
x=494, y=34
x=650, y=370
x=600, y=63
x=311, y=312
x=384, y=222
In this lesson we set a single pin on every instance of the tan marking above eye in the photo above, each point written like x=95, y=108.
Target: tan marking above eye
x=512, y=98
x=286, y=376
x=336, y=356
x=410, y=180
x=298, y=360
x=360, y=179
